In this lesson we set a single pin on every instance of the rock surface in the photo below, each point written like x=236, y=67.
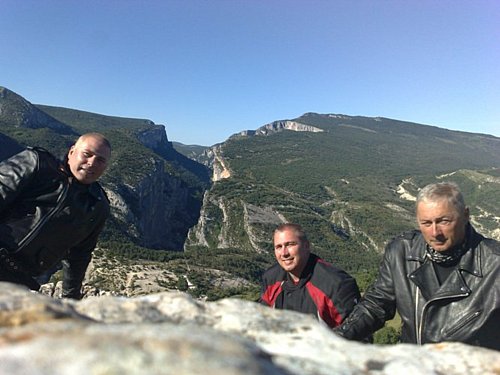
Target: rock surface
x=171, y=333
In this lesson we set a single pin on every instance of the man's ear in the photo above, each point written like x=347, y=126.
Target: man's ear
x=308, y=245
x=467, y=213
x=71, y=150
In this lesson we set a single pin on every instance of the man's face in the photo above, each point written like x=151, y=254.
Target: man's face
x=88, y=159
x=441, y=225
x=291, y=253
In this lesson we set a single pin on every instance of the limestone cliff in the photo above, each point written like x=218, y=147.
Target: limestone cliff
x=159, y=208
x=232, y=223
x=154, y=210
x=219, y=166
x=278, y=126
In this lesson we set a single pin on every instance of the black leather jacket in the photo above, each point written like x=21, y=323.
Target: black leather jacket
x=47, y=216
x=465, y=308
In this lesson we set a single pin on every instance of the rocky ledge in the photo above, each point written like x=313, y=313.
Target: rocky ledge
x=171, y=333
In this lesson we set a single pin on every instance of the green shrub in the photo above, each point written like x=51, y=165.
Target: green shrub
x=386, y=336
x=182, y=284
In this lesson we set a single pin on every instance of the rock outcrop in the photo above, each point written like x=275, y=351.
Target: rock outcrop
x=218, y=228
x=170, y=333
x=278, y=126
x=218, y=164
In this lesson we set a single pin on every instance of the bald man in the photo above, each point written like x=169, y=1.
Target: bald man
x=52, y=212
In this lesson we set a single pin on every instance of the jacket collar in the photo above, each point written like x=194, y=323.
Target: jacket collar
x=305, y=276
x=93, y=189
x=425, y=278
x=470, y=261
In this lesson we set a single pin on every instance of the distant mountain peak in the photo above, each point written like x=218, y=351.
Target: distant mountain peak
x=15, y=111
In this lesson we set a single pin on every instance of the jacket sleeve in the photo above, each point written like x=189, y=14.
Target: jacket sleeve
x=377, y=305
x=76, y=263
x=263, y=288
x=346, y=297
x=16, y=173
x=334, y=293
x=271, y=285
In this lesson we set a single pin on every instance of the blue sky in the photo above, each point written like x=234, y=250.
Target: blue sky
x=208, y=69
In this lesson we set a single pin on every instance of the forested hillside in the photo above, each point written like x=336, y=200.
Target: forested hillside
x=350, y=181
x=201, y=219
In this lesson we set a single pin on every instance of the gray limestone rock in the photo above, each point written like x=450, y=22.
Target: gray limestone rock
x=171, y=333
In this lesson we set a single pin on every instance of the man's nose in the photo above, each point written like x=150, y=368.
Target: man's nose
x=91, y=160
x=436, y=230
x=284, y=251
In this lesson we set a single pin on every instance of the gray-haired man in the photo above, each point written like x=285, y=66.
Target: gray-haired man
x=442, y=279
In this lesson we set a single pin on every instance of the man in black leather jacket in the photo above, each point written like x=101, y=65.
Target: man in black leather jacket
x=52, y=212
x=443, y=279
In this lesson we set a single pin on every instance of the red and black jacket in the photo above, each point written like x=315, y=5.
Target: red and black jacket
x=323, y=290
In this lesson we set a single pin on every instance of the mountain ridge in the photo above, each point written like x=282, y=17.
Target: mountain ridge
x=341, y=184
x=351, y=186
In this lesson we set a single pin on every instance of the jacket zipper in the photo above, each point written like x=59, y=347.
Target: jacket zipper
x=417, y=325
x=274, y=303
x=47, y=217
x=420, y=325
x=463, y=323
